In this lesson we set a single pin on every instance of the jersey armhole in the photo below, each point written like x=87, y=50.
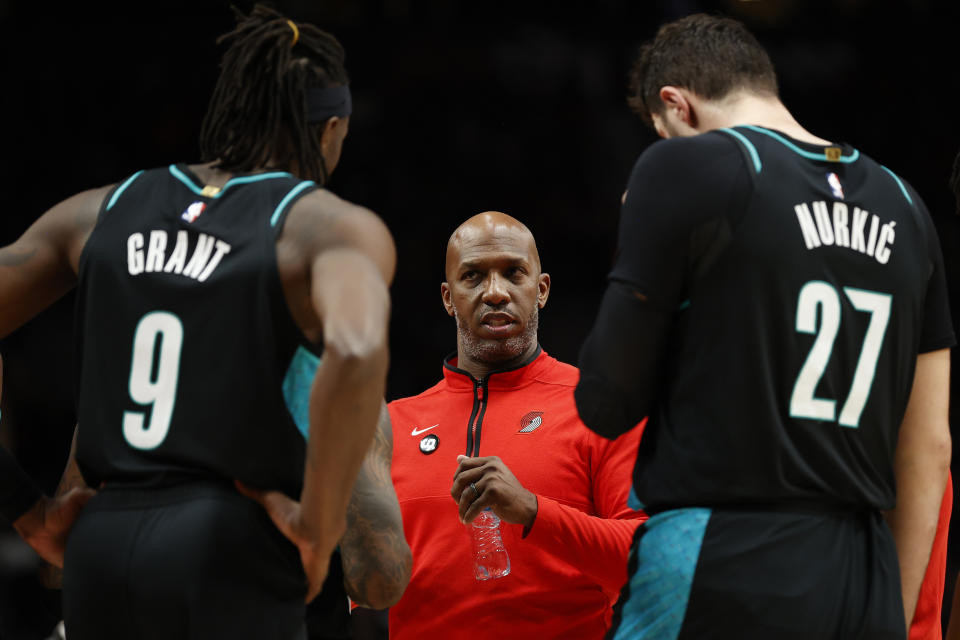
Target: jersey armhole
x=114, y=194
x=109, y=199
x=279, y=216
x=903, y=188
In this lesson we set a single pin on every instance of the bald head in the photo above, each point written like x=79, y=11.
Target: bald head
x=494, y=289
x=490, y=230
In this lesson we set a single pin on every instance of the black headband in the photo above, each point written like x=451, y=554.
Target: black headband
x=328, y=102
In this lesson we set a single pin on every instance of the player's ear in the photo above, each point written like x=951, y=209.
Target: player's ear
x=332, y=129
x=677, y=103
x=447, y=297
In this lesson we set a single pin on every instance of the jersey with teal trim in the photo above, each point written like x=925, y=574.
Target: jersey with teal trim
x=188, y=357
x=804, y=281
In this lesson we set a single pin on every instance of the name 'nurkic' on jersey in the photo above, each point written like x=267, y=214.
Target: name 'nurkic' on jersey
x=833, y=226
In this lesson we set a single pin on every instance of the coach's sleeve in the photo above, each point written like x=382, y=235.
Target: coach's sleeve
x=597, y=545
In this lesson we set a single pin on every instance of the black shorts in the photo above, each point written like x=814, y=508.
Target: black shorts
x=710, y=573
x=186, y=562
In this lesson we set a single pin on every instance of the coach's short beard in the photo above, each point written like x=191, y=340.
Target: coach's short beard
x=492, y=352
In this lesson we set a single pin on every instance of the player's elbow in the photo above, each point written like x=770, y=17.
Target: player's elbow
x=357, y=352
x=603, y=410
x=940, y=448
x=399, y=581
x=390, y=582
x=933, y=445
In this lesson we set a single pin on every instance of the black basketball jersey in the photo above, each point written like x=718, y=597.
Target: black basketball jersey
x=805, y=281
x=189, y=363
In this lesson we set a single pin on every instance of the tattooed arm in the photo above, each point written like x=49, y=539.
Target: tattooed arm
x=375, y=555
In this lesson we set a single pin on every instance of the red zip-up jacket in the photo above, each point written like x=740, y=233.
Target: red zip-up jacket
x=926, y=620
x=567, y=572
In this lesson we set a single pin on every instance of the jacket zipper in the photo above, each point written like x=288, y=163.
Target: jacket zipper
x=475, y=423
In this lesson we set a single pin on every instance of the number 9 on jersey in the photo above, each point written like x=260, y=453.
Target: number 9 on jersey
x=159, y=390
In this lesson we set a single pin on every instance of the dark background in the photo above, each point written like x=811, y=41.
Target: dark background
x=459, y=107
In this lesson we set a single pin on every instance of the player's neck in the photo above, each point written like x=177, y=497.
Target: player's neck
x=210, y=175
x=214, y=176
x=759, y=110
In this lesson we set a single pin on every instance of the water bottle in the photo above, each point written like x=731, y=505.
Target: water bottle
x=490, y=559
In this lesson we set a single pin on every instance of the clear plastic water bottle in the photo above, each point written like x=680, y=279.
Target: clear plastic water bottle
x=490, y=559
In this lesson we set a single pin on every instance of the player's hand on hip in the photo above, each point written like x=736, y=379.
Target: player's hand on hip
x=48, y=522
x=285, y=514
x=487, y=482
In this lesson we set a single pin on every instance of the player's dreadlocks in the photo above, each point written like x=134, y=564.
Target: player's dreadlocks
x=258, y=111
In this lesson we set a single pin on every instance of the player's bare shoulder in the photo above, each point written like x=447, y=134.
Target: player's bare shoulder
x=319, y=222
x=323, y=221
x=86, y=208
x=60, y=233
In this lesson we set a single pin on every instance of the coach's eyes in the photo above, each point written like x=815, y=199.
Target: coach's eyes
x=515, y=273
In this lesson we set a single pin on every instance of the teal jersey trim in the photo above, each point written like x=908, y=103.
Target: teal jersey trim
x=286, y=200
x=296, y=388
x=899, y=184
x=182, y=177
x=749, y=147
x=122, y=188
x=248, y=179
x=853, y=157
x=666, y=560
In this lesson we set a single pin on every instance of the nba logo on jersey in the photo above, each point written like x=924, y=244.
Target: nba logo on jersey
x=832, y=179
x=193, y=211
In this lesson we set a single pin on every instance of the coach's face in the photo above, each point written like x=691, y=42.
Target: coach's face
x=494, y=289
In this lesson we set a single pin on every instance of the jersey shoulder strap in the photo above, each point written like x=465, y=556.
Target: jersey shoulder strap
x=293, y=193
x=115, y=193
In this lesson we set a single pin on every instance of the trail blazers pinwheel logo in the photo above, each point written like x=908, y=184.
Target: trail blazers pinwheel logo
x=531, y=422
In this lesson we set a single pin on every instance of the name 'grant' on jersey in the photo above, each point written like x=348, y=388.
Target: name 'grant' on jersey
x=207, y=253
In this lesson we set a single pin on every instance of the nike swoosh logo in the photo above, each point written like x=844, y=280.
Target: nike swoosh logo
x=417, y=432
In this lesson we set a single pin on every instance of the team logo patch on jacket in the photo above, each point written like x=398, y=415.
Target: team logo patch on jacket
x=531, y=422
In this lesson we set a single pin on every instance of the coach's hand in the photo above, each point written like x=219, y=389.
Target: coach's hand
x=46, y=525
x=496, y=487
x=285, y=513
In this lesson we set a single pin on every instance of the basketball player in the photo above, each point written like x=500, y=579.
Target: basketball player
x=777, y=306
x=371, y=564
x=203, y=292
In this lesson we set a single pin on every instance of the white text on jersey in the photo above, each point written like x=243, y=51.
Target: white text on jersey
x=207, y=254
x=834, y=227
